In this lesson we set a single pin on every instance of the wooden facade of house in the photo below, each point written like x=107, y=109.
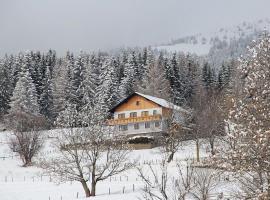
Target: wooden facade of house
x=141, y=114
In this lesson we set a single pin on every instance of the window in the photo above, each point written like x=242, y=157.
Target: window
x=154, y=112
x=133, y=114
x=136, y=126
x=123, y=127
x=145, y=113
x=121, y=116
x=137, y=103
x=147, y=124
x=157, y=124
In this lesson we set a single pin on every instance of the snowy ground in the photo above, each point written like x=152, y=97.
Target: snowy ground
x=18, y=183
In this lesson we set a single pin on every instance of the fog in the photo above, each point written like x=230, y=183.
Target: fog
x=104, y=24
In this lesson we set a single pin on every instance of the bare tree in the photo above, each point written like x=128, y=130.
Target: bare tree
x=87, y=154
x=155, y=82
x=26, y=139
x=177, y=124
x=156, y=181
x=206, y=181
x=189, y=182
x=185, y=183
x=208, y=116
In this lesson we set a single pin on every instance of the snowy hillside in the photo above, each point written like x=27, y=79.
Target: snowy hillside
x=202, y=43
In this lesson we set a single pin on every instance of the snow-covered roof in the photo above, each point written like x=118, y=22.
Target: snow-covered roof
x=162, y=102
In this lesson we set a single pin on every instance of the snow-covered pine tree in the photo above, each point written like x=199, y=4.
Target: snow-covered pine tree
x=6, y=87
x=188, y=72
x=173, y=75
x=208, y=76
x=24, y=97
x=107, y=93
x=16, y=68
x=69, y=63
x=69, y=117
x=89, y=88
x=127, y=83
x=224, y=75
x=77, y=81
x=249, y=125
x=46, y=97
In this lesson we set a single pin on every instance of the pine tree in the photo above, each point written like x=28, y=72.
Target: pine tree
x=24, y=97
x=106, y=93
x=209, y=77
x=223, y=76
x=77, y=78
x=6, y=88
x=127, y=83
x=89, y=85
x=46, y=98
x=173, y=75
x=69, y=62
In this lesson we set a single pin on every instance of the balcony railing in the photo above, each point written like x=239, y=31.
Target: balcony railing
x=134, y=119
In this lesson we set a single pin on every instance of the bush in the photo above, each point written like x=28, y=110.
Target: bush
x=141, y=140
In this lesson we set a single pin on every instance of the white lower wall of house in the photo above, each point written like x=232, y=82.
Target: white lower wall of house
x=141, y=129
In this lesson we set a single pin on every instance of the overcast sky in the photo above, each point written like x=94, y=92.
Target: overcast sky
x=102, y=24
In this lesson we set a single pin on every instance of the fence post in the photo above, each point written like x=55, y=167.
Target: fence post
x=109, y=191
x=133, y=187
x=124, y=190
x=77, y=195
x=5, y=178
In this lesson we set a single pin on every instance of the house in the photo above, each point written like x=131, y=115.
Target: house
x=141, y=114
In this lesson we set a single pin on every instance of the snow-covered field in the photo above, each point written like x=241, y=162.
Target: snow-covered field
x=18, y=183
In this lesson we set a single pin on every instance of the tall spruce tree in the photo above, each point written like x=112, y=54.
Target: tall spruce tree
x=127, y=83
x=46, y=98
x=24, y=97
x=6, y=88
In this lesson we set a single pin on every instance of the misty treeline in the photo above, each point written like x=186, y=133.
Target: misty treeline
x=46, y=85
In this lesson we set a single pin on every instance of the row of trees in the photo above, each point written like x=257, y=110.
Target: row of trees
x=44, y=84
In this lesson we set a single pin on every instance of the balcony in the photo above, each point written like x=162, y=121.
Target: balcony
x=134, y=120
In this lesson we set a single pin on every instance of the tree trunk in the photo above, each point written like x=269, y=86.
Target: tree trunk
x=27, y=162
x=93, y=178
x=86, y=188
x=212, y=147
x=170, y=157
x=93, y=188
x=197, y=150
